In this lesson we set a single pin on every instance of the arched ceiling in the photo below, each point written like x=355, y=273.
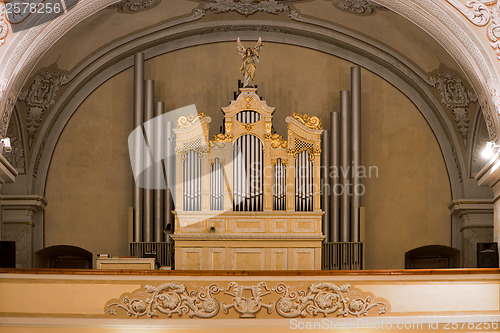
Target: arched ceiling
x=399, y=40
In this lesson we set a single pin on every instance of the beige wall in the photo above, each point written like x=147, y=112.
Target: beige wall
x=89, y=185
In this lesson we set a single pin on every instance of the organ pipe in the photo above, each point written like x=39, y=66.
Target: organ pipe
x=159, y=176
x=325, y=190
x=345, y=207
x=335, y=181
x=169, y=163
x=138, y=111
x=148, y=192
x=356, y=149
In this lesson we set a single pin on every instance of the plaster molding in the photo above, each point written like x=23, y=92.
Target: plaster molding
x=455, y=95
x=16, y=157
x=479, y=138
x=358, y=7
x=321, y=298
x=247, y=7
x=445, y=24
x=482, y=13
x=39, y=97
x=4, y=25
x=135, y=6
x=366, y=54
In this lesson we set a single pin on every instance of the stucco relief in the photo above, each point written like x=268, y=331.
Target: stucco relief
x=4, y=25
x=135, y=6
x=481, y=137
x=359, y=7
x=247, y=300
x=247, y=7
x=16, y=156
x=456, y=96
x=483, y=13
x=38, y=98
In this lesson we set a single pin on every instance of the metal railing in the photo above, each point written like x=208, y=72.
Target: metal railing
x=342, y=256
x=164, y=251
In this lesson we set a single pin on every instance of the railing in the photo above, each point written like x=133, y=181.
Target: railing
x=342, y=256
x=163, y=251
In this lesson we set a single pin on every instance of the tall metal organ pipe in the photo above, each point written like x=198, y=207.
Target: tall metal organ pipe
x=325, y=190
x=356, y=150
x=148, y=193
x=138, y=113
x=345, y=207
x=159, y=176
x=169, y=164
x=335, y=180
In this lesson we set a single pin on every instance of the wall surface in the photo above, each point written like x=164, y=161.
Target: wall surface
x=89, y=187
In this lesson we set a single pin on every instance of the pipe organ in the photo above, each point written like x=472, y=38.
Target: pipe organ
x=249, y=198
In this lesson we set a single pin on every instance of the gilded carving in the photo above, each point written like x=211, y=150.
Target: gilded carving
x=269, y=127
x=222, y=137
x=277, y=140
x=248, y=127
x=184, y=121
x=309, y=121
x=247, y=7
x=169, y=299
x=324, y=298
x=321, y=298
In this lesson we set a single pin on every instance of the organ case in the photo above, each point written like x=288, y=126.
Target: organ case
x=248, y=199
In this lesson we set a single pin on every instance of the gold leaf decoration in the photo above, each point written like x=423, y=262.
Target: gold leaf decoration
x=309, y=121
x=184, y=121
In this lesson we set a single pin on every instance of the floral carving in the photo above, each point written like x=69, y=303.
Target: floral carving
x=324, y=298
x=184, y=121
x=277, y=140
x=455, y=95
x=247, y=307
x=39, y=97
x=135, y=6
x=311, y=122
x=4, y=25
x=247, y=7
x=482, y=13
x=247, y=300
x=169, y=299
x=360, y=7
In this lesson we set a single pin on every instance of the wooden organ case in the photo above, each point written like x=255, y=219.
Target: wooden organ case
x=248, y=199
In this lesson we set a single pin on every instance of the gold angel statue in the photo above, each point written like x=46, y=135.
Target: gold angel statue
x=250, y=59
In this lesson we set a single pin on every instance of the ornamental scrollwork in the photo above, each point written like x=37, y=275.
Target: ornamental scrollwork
x=246, y=7
x=456, y=96
x=359, y=7
x=186, y=121
x=169, y=299
x=482, y=13
x=246, y=306
x=38, y=98
x=312, y=152
x=222, y=137
x=324, y=298
x=319, y=298
x=277, y=140
x=135, y=6
x=309, y=121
